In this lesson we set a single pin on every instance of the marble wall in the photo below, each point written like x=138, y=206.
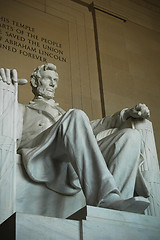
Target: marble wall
x=130, y=56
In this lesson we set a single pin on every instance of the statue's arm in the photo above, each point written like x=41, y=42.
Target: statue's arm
x=108, y=122
x=139, y=112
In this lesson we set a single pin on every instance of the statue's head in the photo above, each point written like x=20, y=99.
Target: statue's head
x=44, y=81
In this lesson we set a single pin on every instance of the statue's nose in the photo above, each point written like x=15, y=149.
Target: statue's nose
x=52, y=83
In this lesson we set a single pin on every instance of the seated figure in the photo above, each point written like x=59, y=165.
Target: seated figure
x=63, y=149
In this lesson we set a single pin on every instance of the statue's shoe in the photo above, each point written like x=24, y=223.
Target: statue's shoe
x=135, y=204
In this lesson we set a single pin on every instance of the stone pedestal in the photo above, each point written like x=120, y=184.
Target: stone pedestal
x=100, y=224
x=110, y=224
x=22, y=226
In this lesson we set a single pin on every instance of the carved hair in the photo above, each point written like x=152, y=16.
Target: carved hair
x=37, y=74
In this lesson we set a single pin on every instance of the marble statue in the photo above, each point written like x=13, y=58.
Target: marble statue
x=62, y=149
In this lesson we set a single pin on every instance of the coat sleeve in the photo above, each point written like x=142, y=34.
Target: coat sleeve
x=108, y=122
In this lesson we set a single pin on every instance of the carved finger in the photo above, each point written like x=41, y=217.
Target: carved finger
x=22, y=81
x=3, y=75
x=8, y=75
x=14, y=76
x=139, y=113
x=138, y=107
x=147, y=114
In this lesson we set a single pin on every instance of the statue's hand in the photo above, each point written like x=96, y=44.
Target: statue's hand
x=9, y=76
x=140, y=111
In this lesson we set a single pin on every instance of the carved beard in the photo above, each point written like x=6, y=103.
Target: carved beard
x=45, y=93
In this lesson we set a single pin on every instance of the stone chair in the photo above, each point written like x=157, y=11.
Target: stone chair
x=20, y=194
x=148, y=171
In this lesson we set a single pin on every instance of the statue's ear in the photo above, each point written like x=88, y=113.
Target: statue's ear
x=34, y=82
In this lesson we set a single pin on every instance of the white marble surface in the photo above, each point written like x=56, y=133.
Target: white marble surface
x=19, y=193
x=45, y=228
x=35, y=198
x=121, y=216
x=110, y=224
x=113, y=231
x=8, y=103
x=22, y=226
x=7, y=190
x=101, y=224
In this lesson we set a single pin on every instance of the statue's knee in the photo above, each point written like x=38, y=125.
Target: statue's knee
x=78, y=114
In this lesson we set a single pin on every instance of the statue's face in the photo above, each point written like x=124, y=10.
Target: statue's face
x=47, y=84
